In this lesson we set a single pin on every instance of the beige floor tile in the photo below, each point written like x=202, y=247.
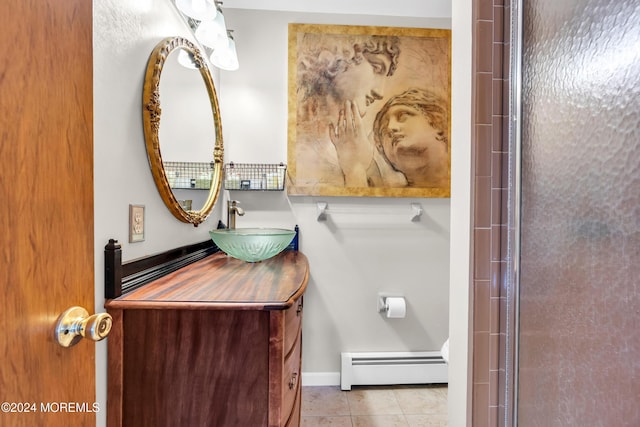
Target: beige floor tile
x=421, y=400
x=373, y=401
x=444, y=390
x=327, y=401
x=430, y=420
x=412, y=406
x=379, y=421
x=325, y=421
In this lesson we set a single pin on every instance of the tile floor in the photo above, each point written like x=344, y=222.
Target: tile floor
x=395, y=406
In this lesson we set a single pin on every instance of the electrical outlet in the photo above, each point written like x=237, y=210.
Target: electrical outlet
x=136, y=223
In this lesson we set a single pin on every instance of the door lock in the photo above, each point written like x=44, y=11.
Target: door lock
x=75, y=324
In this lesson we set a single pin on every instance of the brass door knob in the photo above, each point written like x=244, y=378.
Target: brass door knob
x=75, y=324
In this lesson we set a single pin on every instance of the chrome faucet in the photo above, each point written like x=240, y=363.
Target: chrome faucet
x=232, y=210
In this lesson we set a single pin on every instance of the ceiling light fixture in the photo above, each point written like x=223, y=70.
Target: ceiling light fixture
x=225, y=56
x=213, y=33
x=202, y=10
x=210, y=30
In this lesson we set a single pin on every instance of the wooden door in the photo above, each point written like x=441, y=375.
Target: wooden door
x=46, y=214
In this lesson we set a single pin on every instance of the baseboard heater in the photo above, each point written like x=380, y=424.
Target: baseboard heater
x=384, y=368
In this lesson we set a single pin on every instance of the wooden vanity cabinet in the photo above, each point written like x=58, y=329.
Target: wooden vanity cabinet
x=178, y=360
x=285, y=360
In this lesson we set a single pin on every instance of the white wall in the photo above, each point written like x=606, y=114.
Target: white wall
x=352, y=256
x=355, y=255
x=125, y=33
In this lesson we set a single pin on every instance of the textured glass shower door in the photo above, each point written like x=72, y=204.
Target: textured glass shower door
x=578, y=355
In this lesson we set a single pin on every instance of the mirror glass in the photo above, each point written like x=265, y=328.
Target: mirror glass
x=182, y=127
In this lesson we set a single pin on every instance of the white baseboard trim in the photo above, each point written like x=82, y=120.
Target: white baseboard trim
x=321, y=378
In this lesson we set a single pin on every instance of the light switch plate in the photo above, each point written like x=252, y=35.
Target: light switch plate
x=136, y=223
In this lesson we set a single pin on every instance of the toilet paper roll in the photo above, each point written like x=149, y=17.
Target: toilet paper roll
x=396, y=307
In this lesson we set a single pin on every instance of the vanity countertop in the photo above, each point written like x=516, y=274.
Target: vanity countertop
x=220, y=282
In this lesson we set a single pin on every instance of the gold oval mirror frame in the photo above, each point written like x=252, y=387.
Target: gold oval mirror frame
x=151, y=114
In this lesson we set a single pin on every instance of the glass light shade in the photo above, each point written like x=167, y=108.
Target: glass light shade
x=185, y=58
x=226, y=57
x=202, y=10
x=212, y=33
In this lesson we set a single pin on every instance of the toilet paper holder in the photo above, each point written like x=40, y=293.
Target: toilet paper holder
x=383, y=304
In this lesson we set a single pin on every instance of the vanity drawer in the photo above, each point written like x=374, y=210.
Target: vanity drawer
x=292, y=323
x=291, y=379
x=294, y=418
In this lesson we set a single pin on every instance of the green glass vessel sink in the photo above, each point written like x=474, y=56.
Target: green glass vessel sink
x=252, y=244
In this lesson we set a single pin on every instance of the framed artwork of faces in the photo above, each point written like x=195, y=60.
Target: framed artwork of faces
x=369, y=111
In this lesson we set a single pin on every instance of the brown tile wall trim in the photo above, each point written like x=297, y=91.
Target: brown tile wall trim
x=490, y=156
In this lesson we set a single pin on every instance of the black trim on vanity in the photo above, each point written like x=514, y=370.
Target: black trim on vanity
x=121, y=278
